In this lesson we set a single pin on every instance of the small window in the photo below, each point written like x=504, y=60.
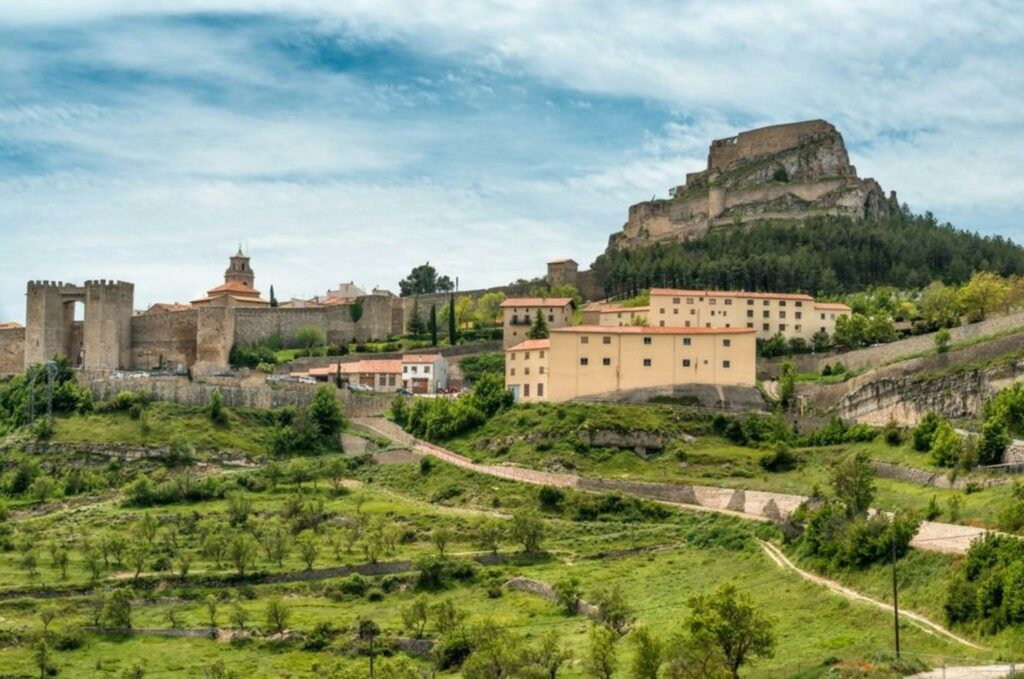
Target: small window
x=782, y=327
x=686, y=363
x=798, y=327
x=689, y=300
x=799, y=303
x=511, y=371
x=584, y=340
x=661, y=310
x=426, y=369
x=647, y=340
x=765, y=313
x=823, y=317
x=712, y=301
x=693, y=312
x=542, y=354
x=541, y=370
x=727, y=343
x=512, y=355
x=526, y=356
x=765, y=303
x=726, y=364
x=833, y=316
x=782, y=314
x=584, y=361
x=782, y=302
x=551, y=318
x=687, y=324
x=675, y=311
x=686, y=341
x=606, y=361
x=526, y=390
x=405, y=368
x=750, y=325
x=707, y=325
x=750, y=302
x=647, y=363
x=675, y=300
x=540, y=389
x=750, y=313
x=766, y=327
x=526, y=370
x=799, y=315
x=606, y=340
x=728, y=302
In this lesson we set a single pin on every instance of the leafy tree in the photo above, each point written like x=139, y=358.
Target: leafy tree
x=730, y=621
x=424, y=280
x=488, y=308
x=60, y=561
x=416, y=615
x=994, y=440
x=924, y=432
x=821, y=341
x=42, y=489
x=239, y=615
x=118, y=610
x=453, y=331
x=441, y=536
x=308, y=548
x=239, y=507
x=612, y=609
x=212, y=603
x=43, y=658
x=647, y=656
x=277, y=615
x=601, y=660
x=853, y=483
x=942, y=340
x=946, y=445
x=368, y=631
x=539, y=329
x=309, y=337
x=939, y=305
x=984, y=293
x=567, y=593
x=241, y=552
x=787, y=383
x=217, y=414
x=489, y=535
x=527, y=529
x=325, y=412
x=954, y=505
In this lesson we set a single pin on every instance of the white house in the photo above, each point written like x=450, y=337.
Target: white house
x=424, y=373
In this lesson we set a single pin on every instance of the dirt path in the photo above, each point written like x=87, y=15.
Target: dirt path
x=944, y=538
x=781, y=560
x=976, y=672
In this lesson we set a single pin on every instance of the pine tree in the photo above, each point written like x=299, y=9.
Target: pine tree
x=540, y=327
x=433, y=325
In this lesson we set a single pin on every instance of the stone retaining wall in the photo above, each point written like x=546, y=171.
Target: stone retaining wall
x=306, y=362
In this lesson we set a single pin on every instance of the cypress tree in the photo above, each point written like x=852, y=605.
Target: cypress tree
x=433, y=325
x=273, y=300
x=540, y=327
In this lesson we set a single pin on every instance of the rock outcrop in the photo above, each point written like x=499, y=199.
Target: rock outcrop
x=782, y=172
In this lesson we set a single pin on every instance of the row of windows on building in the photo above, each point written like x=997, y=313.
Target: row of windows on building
x=540, y=390
x=412, y=369
x=647, y=341
x=750, y=314
x=728, y=302
x=764, y=326
x=647, y=363
x=527, y=320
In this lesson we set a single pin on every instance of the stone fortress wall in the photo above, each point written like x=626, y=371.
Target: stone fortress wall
x=763, y=141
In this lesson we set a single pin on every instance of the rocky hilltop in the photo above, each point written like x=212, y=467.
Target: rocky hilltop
x=781, y=172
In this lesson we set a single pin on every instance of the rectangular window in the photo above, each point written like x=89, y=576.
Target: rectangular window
x=527, y=356
x=661, y=324
x=782, y=314
x=526, y=370
x=584, y=361
x=798, y=327
x=647, y=363
x=750, y=302
x=405, y=368
x=750, y=313
x=647, y=340
x=686, y=341
x=799, y=315
x=540, y=389
x=606, y=340
x=675, y=300
x=584, y=340
x=726, y=364
x=526, y=390
x=687, y=324
x=766, y=327
x=686, y=363
x=511, y=371
x=765, y=303
x=693, y=312
x=542, y=354
x=782, y=327
x=675, y=311
x=726, y=343
x=765, y=313
x=712, y=301
x=606, y=361
x=551, y=318
x=782, y=302
x=728, y=302
x=707, y=325
x=689, y=300
x=541, y=370
x=823, y=317
x=799, y=303
x=750, y=325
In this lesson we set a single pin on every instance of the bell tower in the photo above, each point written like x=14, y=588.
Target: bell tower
x=239, y=271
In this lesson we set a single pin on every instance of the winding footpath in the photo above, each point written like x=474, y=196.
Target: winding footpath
x=932, y=536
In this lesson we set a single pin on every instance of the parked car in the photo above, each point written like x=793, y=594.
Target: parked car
x=404, y=392
x=306, y=379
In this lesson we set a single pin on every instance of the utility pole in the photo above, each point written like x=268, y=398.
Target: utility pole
x=895, y=598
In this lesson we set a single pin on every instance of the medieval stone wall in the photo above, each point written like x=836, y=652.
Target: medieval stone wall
x=253, y=325
x=170, y=336
x=12, y=350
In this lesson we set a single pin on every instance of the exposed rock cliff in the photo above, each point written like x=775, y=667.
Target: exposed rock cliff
x=785, y=172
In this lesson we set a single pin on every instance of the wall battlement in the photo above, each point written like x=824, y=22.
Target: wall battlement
x=764, y=141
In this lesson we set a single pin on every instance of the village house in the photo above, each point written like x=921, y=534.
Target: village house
x=519, y=313
x=424, y=373
x=376, y=374
x=526, y=370
x=766, y=313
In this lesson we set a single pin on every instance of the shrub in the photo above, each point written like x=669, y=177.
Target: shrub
x=946, y=445
x=780, y=459
x=550, y=498
x=924, y=432
x=892, y=434
x=994, y=440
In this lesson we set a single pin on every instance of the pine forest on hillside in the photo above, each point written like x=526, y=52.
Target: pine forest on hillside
x=820, y=256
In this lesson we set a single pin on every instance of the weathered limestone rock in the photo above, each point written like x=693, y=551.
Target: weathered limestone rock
x=781, y=172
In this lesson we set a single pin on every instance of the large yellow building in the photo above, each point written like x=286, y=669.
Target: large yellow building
x=766, y=313
x=591, y=360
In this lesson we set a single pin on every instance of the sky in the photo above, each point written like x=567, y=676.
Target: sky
x=340, y=141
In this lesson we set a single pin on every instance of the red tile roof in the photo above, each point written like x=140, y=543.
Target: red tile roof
x=10, y=326
x=649, y=330
x=234, y=286
x=531, y=345
x=669, y=292
x=536, y=301
x=368, y=366
x=420, y=358
x=836, y=306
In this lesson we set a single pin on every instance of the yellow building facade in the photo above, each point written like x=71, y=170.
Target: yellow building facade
x=519, y=313
x=793, y=315
x=526, y=370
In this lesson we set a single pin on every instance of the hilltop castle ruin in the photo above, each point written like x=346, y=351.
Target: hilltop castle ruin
x=781, y=172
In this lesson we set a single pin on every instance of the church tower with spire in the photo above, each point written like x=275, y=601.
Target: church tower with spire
x=239, y=271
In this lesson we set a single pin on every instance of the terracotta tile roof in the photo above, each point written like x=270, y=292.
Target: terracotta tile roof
x=367, y=366
x=536, y=301
x=531, y=345
x=649, y=330
x=613, y=309
x=835, y=306
x=420, y=358
x=235, y=287
x=669, y=292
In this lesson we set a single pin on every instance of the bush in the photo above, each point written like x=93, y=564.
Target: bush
x=780, y=459
x=946, y=445
x=924, y=432
x=550, y=498
x=891, y=433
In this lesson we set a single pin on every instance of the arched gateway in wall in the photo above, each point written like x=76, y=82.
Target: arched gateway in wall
x=101, y=341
